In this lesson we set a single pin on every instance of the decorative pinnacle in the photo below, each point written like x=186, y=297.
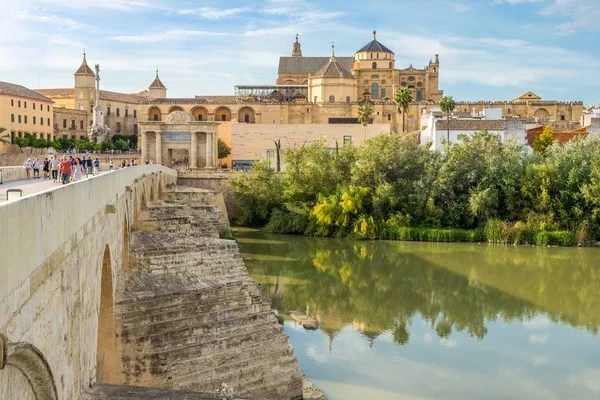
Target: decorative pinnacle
x=296, y=38
x=157, y=72
x=374, y=35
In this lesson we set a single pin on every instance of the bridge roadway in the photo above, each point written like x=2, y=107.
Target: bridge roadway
x=31, y=186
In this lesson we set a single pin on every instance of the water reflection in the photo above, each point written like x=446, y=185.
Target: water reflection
x=419, y=320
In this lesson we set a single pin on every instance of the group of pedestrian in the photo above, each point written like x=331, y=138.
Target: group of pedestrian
x=64, y=170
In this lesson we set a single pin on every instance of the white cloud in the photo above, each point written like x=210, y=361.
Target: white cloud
x=47, y=18
x=213, y=13
x=582, y=14
x=172, y=34
x=460, y=7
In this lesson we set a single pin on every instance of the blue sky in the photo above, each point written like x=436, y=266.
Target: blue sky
x=489, y=49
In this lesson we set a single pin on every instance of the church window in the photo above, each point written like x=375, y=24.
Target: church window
x=25, y=104
x=126, y=112
x=223, y=117
x=19, y=119
x=374, y=65
x=156, y=117
x=374, y=76
x=377, y=55
x=419, y=95
x=134, y=113
x=419, y=84
x=411, y=78
x=118, y=112
x=562, y=117
x=25, y=118
x=332, y=99
x=199, y=117
x=34, y=106
x=108, y=111
x=48, y=121
x=389, y=117
x=12, y=117
x=375, y=90
x=42, y=120
x=12, y=102
x=80, y=124
x=118, y=126
x=347, y=99
x=371, y=55
x=382, y=93
x=64, y=123
x=19, y=103
x=48, y=109
x=434, y=70
x=391, y=65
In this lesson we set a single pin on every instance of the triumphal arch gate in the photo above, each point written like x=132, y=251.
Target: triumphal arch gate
x=179, y=135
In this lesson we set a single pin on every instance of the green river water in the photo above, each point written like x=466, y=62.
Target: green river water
x=411, y=321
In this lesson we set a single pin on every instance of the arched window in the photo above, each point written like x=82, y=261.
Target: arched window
x=419, y=96
x=375, y=90
x=332, y=99
x=390, y=65
x=374, y=65
x=156, y=117
x=419, y=84
x=562, y=117
x=347, y=99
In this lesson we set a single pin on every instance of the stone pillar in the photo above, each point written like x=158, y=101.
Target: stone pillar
x=209, y=162
x=194, y=151
x=215, y=149
x=145, y=147
x=159, y=148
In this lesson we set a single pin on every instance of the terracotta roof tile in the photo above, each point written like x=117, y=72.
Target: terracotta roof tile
x=21, y=91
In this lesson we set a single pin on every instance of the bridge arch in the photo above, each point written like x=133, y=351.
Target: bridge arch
x=24, y=363
x=107, y=362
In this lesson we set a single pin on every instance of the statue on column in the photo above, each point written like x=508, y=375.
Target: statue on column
x=98, y=132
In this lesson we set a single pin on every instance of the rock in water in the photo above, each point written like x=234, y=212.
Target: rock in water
x=307, y=322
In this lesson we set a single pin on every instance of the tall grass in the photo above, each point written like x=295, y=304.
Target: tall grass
x=504, y=232
x=419, y=234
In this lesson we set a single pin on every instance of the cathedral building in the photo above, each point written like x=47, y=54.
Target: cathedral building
x=312, y=98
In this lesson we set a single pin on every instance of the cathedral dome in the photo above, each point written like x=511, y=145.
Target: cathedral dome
x=375, y=46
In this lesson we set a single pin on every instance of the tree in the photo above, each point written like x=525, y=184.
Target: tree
x=122, y=145
x=223, y=150
x=4, y=138
x=365, y=113
x=447, y=104
x=544, y=141
x=278, y=153
x=403, y=97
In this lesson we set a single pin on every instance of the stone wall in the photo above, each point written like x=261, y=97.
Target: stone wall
x=60, y=250
x=216, y=182
x=10, y=174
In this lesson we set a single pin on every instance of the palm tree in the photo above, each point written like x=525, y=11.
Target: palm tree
x=403, y=97
x=365, y=113
x=447, y=104
x=4, y=139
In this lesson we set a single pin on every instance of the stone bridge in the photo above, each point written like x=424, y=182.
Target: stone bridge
x=120, y=287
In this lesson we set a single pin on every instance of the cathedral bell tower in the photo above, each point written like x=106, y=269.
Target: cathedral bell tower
x=85, y=86
x=296, y=48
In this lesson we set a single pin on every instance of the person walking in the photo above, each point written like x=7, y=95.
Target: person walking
x=72, y=161
x=78, y=172
x=110, y=165
x=28, y=165
x=36, y=169
x=90, y=165
x=54, y=164
x=65, y=170
x=46, y=168
x=96, y=166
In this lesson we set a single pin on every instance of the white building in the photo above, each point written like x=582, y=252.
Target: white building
x=435, y=127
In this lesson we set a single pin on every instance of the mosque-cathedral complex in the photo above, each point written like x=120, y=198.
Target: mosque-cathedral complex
x=311, y=97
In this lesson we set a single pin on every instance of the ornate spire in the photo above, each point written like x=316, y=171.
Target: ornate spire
x=332, y=52
x=297, y=48
x=157, y=83
x=374, y=35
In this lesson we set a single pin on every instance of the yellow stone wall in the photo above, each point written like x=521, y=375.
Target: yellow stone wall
x=71, y=123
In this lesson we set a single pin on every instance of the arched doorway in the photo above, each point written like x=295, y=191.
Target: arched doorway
x=200, y=114
x=247, y=115
x=542, y=113
x=175, y=108
x=107, y=360
x=222, y=114
x=154, y=114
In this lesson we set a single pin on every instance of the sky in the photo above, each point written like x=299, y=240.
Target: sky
x=488, y=49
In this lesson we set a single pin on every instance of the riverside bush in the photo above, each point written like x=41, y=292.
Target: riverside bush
x=393, y=188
